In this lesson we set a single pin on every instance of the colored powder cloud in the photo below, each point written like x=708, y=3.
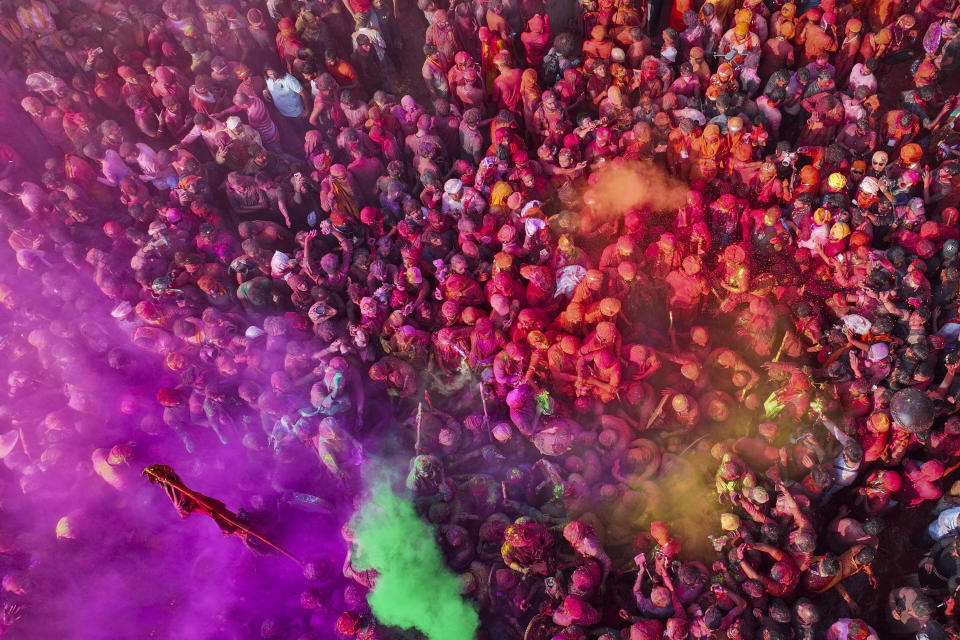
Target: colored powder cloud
x=414, y=589
x=621, y=186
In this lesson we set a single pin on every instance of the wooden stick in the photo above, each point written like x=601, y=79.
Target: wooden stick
x=786, y=333
x=656, y=412
x=950, y=470
x=419, y=423
x=672, y=331
x=690, y=446
x=836, y=354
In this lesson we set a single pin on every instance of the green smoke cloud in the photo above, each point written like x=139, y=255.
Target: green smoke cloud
x=414, y=589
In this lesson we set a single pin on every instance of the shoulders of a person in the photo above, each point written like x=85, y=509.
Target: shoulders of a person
x=951, y=512
x=907, y=593
x=290, y=81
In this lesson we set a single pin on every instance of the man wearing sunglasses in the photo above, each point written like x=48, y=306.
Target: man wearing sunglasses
x=878, y=164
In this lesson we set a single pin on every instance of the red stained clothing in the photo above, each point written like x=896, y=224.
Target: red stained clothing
x=874, y=443
x=786, y=586
x=536, y=40
x=506, y=89
x=921, y=482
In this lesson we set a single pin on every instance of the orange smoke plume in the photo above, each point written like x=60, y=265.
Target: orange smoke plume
x=625, y=185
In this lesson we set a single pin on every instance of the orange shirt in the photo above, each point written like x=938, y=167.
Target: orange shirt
x=343, y=72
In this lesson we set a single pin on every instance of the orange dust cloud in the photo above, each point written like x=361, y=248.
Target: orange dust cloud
x=622, y=186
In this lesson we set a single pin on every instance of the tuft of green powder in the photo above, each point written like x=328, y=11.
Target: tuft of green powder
x=415, y=588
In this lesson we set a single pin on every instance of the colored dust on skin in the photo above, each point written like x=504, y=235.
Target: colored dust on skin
x=414, y=588
x=623, y=186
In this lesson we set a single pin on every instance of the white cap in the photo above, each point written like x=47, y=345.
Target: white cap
x=280, y=262
x=453, y=185
x=878, y=351
x=233, y=123
x=856, y=323
x=528, y=206
x=122, y=310
x=532, y=225
x=869, y=185
x=156, y=227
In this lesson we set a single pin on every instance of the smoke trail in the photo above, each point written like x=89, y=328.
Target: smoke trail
x=415, y=588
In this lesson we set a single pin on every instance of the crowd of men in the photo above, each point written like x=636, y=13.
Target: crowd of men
x=327, y=266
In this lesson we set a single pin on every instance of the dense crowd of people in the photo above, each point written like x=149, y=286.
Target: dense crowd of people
x=584, y=260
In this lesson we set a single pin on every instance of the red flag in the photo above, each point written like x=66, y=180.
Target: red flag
x=186, y=501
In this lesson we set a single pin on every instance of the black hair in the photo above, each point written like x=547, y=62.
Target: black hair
x=873, y=526
x=712, y=618
x=897, y=255
x=770, y=532
x=853, y=451
x=866, y=555
x=779, y=611
x=925, y=370
x=924, y=606
x=883, y=324
x=918, y=352
x=566, y=44
x=835, y=200
x=829, y=565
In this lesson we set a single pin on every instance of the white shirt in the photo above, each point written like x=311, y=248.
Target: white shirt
x=690, y=114
x=945, y=524
x=114, y=169
x=858, y=79
x=285, y=92
x=470, y=201
x=207, y=135
x=845, y=471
